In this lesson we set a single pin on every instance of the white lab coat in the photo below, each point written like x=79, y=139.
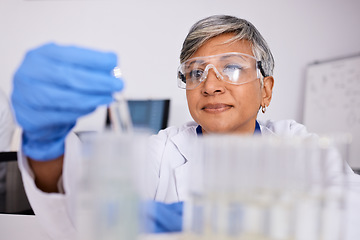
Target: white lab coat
x=171, y=151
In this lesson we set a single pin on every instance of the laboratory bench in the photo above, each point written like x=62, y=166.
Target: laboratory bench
x=23, y=227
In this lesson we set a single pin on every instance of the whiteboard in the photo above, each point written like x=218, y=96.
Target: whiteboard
x=332, y=100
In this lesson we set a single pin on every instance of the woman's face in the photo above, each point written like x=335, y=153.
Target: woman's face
x=221, y=107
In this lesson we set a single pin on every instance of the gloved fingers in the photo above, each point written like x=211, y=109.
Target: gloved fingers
x=37, y=68
x=44, y=97
x=90, y=81
x=79, y=56
x=35, y=120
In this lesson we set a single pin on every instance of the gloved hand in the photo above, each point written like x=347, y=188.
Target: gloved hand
x=53, y=87
x=161, y=217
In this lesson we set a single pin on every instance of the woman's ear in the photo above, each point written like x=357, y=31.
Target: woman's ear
x=267, y=91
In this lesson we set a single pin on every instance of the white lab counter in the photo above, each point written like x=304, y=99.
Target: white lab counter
x=25, y=227
x=21, y=227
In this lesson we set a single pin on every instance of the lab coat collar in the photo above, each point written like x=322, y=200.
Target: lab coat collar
x=265, y=131
x=187, y=143
x=256, y=131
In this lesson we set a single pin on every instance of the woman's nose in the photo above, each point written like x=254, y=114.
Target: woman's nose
x=213, y=83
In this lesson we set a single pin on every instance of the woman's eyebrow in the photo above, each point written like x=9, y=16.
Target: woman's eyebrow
x=198, y=61
x=231, y=56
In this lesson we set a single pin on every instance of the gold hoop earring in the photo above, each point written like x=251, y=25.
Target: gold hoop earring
x=263, y=109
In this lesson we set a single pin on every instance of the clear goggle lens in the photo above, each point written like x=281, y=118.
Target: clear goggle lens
x=234, y=68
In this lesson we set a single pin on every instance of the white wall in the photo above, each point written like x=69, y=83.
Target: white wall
x=147, y=35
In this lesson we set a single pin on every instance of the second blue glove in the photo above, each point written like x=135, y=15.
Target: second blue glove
x=161, y=217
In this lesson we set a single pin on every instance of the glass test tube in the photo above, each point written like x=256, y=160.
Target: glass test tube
x=107, y=205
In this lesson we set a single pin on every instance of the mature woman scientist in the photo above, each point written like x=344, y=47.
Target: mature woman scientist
x=55, y=85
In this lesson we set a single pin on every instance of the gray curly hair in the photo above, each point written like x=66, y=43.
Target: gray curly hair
x=216, y=25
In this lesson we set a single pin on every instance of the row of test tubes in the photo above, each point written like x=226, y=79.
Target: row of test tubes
x=267, y=188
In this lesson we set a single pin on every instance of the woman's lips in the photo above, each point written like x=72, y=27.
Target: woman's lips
x=216, y=107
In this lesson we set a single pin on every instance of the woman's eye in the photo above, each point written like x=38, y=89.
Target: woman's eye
x=233, y=72
x=232, y=67
x=196, y=74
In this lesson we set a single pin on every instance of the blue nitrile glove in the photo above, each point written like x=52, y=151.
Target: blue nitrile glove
x=161, y=217
x=53, y=87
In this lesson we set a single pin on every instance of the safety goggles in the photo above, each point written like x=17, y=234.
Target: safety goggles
x=234, y=68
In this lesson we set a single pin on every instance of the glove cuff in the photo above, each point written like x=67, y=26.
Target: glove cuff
x=43, y=151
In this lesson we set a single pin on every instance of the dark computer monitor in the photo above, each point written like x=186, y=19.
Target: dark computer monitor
x=150, y=114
